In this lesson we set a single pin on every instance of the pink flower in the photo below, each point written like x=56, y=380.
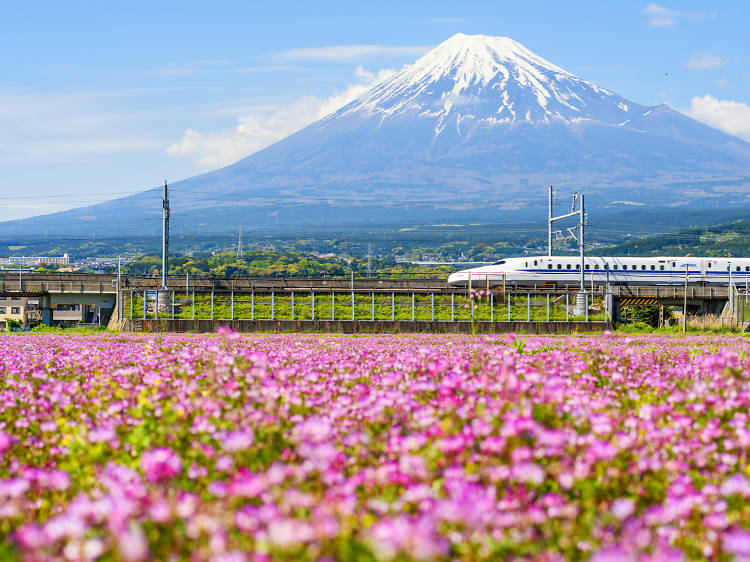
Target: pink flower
x=737, y=542
x=241, y=440
x=101, y=435
x=5, y=441
x=228, y=332
x=31, y=536
x=160, y=464
x=623, y=508
x=736, y=484
x=315, y=429
x=613, y=554
x=132, y=543
x=287, y=532
x=529, y=472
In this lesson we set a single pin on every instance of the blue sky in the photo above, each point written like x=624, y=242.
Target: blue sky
x=102, y=99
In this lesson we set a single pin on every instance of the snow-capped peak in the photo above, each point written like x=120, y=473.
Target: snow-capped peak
x=481, y=57
x=490, y=80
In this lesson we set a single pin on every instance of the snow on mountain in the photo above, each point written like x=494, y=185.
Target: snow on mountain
x=489, y=78
x=473, y=129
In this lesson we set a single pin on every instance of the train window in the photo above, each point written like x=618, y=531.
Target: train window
x=578, y=266
x=526, y=264
x=643, y=267
x=616, y=266
x=739, y=268
x=559, y=266
x=501, y=262
x=709, y=264
x=653, y=267
x=567, y=266
x=549, y=266
x=606, y=266
x=661, y=267
x=674, y=264
x=635, y=267
x=596, y=266
x=747, y=268
x=534, y=262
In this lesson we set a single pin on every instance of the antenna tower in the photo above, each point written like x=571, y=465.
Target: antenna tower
x=239, y=244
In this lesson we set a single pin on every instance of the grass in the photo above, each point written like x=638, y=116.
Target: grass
x=42, y=328
x=643, y=328
x=366, y=306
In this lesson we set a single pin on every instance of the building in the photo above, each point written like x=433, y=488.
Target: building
x=26, y=261
x=24, y=310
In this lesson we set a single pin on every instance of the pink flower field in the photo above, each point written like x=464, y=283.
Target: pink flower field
x=425, y=447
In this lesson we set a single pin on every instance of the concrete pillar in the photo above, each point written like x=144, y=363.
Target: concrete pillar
x=581, y=307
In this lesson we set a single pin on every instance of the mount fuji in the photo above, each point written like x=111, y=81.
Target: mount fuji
x=475, y=128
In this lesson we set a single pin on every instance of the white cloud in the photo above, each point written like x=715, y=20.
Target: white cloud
x=661, y=16
x=626, y=202
x=732, y=117
x=346, y=53
x=259, y=128
x=705, y=62
x=56, y=127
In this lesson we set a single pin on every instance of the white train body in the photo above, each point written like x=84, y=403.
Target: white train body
x=565, y=270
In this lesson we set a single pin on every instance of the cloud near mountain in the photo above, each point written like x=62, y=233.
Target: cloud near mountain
x=258, y=129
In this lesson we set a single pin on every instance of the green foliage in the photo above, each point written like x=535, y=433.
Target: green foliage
x=43, y=328
x=715, y=241
x=11, y=324
x=273, y=263
x=645, y=314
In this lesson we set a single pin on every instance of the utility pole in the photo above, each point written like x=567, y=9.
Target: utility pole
x=684, y=301
x=369, y=260
x=164, y=237
x=549, y=221
x=729, y=291
x=239, y=244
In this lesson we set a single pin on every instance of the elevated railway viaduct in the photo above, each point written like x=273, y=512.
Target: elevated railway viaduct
x=101, y=290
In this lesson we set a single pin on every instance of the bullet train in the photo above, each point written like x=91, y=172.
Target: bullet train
x=566, y=270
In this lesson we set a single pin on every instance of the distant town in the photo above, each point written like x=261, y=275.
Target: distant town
x=62, y=264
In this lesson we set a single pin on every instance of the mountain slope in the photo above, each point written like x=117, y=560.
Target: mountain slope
x=473, y=129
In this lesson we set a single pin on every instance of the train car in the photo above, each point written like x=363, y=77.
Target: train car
x=566, y=270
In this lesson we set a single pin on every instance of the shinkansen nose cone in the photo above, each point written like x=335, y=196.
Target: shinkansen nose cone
x=458, y=279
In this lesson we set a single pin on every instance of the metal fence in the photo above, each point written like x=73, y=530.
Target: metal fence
x=362, y=305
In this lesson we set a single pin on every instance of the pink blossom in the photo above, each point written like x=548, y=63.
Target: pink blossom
x=160, y=464
x=240, y=440
x=737, y=541
x=736, y=484
x=5, y=441
x=132, y=543
x=623, y=508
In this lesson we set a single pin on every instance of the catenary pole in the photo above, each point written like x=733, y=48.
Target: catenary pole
x=684, y=300
x=549, y=222
x=119, y=300
x=164, y=237
x=582, y=217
